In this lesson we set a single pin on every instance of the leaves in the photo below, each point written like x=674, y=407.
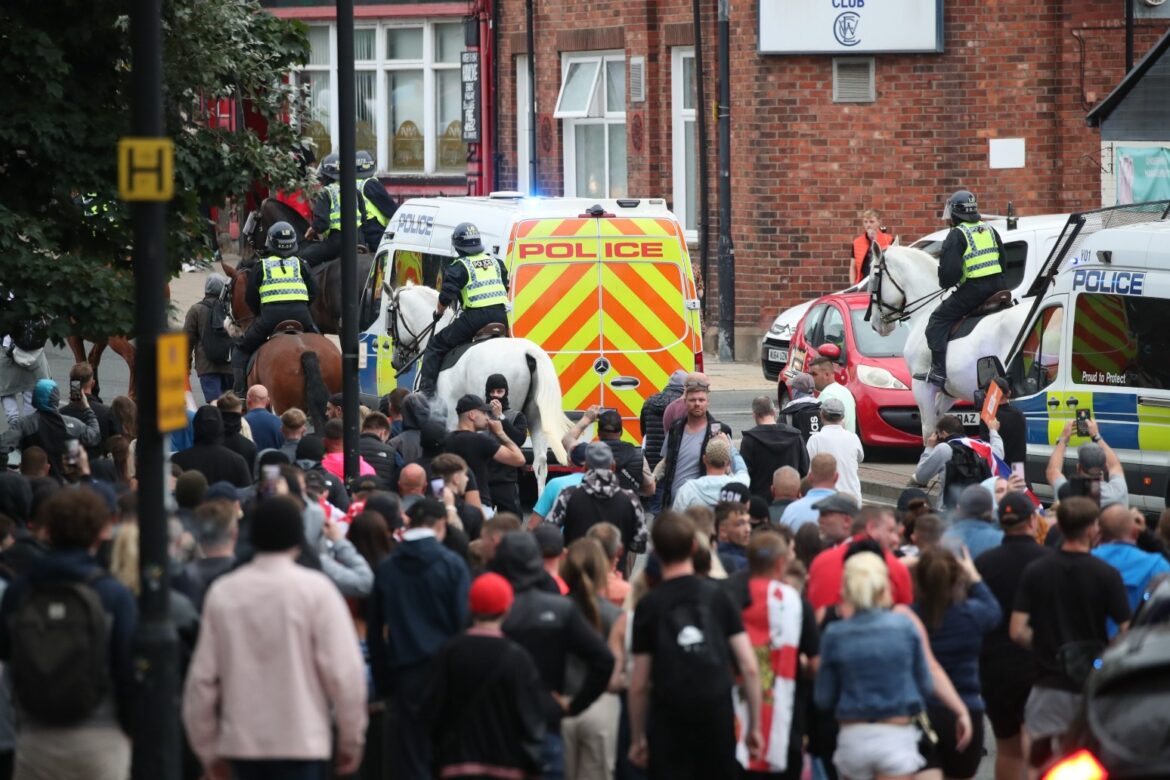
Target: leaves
x=65, y=67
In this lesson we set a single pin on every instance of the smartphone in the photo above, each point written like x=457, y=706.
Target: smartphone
x=72, y=451
x=1083, y=417
x=271, y=476
x=1018, y=470
x=437, y=488
x=74, y=389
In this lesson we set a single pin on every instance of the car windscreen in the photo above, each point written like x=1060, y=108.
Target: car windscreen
x=870, y=344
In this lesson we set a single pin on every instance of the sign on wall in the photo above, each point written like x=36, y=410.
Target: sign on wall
x=469, y=61
x=1143, y=174
x=850, y=26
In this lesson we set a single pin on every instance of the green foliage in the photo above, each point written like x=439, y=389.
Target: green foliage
x=65, y=67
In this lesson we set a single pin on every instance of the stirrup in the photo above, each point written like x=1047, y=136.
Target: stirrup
x=937, y=378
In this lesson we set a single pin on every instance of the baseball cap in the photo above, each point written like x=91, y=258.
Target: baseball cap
x=801, y=383
x=549, y=540
x=909, y=495
x=758, y=509
x=490, y=594
x=1015, y=508
x=609, y=421
x=975, y=501
x=1091, y=456
x=471, y=403
x=837, y=502
x=577, y=454
x=221, y=490
x=832, y=407
x=598, y=456
x=734, y=491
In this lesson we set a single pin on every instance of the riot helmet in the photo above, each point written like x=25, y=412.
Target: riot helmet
x=282, y=240
x=465, y=239
x=330, y=168
x=365, y=165
x=961, y=207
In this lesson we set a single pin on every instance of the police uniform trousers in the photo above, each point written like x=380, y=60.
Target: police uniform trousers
x=314, y=253
x=460, y=331
x=263, y=326
x=969, y=296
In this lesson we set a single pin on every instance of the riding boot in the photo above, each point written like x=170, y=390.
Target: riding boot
x=240, y=375
x=938, y=370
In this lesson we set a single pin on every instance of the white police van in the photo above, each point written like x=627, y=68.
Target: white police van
x=1098, y=339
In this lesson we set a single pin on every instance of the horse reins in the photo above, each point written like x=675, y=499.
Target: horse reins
x=416, y=338
x=896, y=313
x=226, y=297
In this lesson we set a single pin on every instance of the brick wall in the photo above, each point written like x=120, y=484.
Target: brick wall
x=803, y=167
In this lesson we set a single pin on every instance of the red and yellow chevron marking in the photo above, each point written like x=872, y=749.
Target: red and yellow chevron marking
x=407, y=267
x=1101, y=339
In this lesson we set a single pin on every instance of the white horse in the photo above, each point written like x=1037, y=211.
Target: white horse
x=904, y=285
x=532, y=378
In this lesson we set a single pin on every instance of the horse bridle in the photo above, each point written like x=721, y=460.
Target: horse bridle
x=891, y=314
x=403, y=358
x=225, y=295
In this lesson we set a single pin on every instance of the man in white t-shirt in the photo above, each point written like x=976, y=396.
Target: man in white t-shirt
x=821, y=370
x=842, y=444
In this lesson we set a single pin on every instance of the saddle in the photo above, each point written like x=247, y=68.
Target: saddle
x=289, y=327
x=490, y=331
x=995, y=303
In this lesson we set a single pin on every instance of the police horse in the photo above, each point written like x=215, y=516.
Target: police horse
x=528, y=369
x=903, y=286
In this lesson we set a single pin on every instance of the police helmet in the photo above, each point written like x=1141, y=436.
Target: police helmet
x=465, y=239
x=282, y=240
x=330, y=168
x=365, y=165
x=961, y=207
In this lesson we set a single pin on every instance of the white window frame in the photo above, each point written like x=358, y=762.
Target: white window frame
x=603, y=116
x=679, y=118
x=523, y=153
x=383, y=67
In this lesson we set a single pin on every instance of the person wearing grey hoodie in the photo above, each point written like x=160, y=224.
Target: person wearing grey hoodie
x=215, y=377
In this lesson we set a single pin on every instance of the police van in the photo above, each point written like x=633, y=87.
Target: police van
x=605, y=287
x=1098, y=339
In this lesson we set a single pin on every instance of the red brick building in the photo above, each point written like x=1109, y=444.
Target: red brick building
x=815, y=138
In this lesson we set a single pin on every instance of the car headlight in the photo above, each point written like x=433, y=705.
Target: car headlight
x=873, y=376
x=780, y=329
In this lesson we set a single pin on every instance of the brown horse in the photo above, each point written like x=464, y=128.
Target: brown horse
x=299, y=369
x=120, y=344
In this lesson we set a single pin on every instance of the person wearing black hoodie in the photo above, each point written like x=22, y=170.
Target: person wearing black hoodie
x=651, y=416
x=209, y=455
x=551, y=628
x=231, y=408
x=768, y=446
x=49, y=429
x=416, y=410
x=419, y=602
x=503, y=481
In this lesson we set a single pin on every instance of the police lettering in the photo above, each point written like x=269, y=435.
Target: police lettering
x=849, y=3
x=1117, y=282
x=581, y=250
x=419, y=224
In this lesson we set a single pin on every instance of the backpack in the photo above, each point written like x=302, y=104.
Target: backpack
x=691, y=661
x=805, y=418
x=966, y=467
x=216, y=341
x=60, y=651
x=31, y=334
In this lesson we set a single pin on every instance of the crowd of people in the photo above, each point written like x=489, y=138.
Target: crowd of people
x=674, y=606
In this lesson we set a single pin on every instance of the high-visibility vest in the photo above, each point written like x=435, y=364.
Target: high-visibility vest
x=372, y=211
x=484, y=286
x=282, y=281
x=334, y=191
x=982, y=255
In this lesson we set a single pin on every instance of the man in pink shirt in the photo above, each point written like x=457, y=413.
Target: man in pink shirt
x=334, y=460
x=277, y=654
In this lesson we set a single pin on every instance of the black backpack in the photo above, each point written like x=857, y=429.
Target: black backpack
x=60, y=636
x=966, y=467
x=217, y=342
x=691, y=668
x=30, y=334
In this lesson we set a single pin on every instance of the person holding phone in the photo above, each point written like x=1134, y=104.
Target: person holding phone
x=1095, y=460
x=49, y=429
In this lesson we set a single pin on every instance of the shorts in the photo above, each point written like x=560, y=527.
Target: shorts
x=945, y=755
x=865, y=750
x=1049, y=712
x=1005, y=700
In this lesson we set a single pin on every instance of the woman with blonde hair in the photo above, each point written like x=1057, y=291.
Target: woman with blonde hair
x=873, y=676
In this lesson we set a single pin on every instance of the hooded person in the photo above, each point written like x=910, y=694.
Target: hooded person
x=416, y=410
x=503, y=481
x=236, y=431
x=209, y=455
x=770, y=445
x=600, y=498
x=203, y=334
x=653, y=432
x=802, y=411
x=22, y=364
x=48, y=429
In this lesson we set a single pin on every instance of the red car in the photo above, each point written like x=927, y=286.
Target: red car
x=871, y=366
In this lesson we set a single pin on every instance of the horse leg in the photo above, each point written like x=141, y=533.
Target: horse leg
x=77, y=347
x=122, y=346
x=926, y=396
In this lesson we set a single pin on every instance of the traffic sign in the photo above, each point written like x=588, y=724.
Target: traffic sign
x=146, y=169
x=172, y=381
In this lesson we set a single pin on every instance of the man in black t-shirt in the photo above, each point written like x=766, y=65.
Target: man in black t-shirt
x=1059, y=612
x=468, y=442
x=686, y=632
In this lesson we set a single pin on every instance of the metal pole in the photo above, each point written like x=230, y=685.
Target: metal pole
x=1129, y=35
x=349, y=285
x=726, y=247
x=530, y=13
x=156, y=644
x=701, y=154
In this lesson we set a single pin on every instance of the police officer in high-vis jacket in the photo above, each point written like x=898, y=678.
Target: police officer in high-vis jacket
x=379, y=206
x=972, y=257
x=325, y=229
x=479, y=282
x=280, y=287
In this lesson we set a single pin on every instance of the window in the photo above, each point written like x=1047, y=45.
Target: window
x=870, y=344
x=1120, y=341
x=408, y=87
x=1015, y=262
x=833, y=331
x=685, y=138
x=592, y=104
x=523, y=161
x=1038, y=363
x=812, y=327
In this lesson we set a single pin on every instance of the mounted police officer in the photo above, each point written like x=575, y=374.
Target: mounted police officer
x=480, y=283
x=972, y=258
x=379, y=206
x=280, y=288
x=326, y=222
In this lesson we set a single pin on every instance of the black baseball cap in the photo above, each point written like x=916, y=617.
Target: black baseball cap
x=609, y=421
x=1015, y=508
x=470, y=403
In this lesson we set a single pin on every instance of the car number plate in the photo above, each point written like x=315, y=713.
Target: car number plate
x=778, y=355
x=969, y=418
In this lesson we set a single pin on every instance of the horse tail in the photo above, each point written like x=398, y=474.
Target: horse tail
x=316, y=393
x=546, y=396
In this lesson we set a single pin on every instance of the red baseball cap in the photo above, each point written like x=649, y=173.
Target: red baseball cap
x=490, y=594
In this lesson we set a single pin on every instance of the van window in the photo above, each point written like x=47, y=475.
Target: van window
x=371, y=300
x=1038, y=363
x=1015, y=262
x=419, y=268
x=1120, y=341
x=833, y=330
